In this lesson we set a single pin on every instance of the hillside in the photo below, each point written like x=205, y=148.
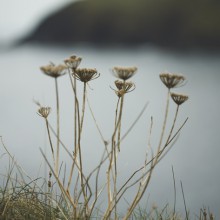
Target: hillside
x=169, y=23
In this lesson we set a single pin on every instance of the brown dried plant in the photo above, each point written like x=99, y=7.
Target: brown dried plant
x=86, y=192
x=124, y=73
x=179, y=98
x=56, y=71
x=82, y=192
x=114, y=194
x=172, y=80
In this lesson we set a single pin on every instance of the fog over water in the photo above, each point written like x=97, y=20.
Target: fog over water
x=195, y=156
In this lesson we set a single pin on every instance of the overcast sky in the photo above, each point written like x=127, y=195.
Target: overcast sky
x=17, y=17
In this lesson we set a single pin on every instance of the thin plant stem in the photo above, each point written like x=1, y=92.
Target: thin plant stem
x=165, y=119
x=81, y=173
x=140, y=193
x=82, y=177
x=171, y=131
x=58, y=128
x=113, y=157
x=80, y=126
x=83, y=106
x=159, y=152
x=141, y=168
x=115, y=181
x=68, y=152
x=76, y=116
x=134, y=123
x=154, y=161
x=174, y=186
x=96, y=182
x=102, y=158
x=123, y=137
x=115, y=153
x=116, y=112
x=50, y=141
x=75, y=193
x=184, y=200
x=65, y=194
x=174, y=122
x=119, y=119
x=76, y=109
x=76, y=106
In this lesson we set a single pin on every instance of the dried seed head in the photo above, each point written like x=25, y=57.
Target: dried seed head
x=119, y=84
x=73, y=62
x=50, y=174
x=179, y=98
x=172, y=80
x=123, y=87
x=120, y=93
x=54, y=71
x=44, y=111
x=49, y=184
x=85, y=75
x=124, y=73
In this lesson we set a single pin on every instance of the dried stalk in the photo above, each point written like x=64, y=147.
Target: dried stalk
x=49, y=136
x=58, y=128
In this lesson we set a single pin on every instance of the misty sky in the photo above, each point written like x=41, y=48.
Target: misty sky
x=19, y=17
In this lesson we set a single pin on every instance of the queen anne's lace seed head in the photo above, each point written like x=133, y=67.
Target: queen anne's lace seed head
x=123, y=87
x=85, y=75
x=119, y=84
x=179, y=98
x=53, y=70
x=44, y=111
x=124, y=73
x=172, y=80
x=73, y=62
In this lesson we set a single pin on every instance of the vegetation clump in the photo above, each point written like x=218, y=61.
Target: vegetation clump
x=70, y=192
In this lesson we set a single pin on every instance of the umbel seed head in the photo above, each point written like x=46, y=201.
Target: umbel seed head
x=172, y=80
x=44, y=111
x=85, y=74
x=53, y=70
x=179, y=98
x=123, y=87
x=119, y=84
x=124, y=73
x=73, y=62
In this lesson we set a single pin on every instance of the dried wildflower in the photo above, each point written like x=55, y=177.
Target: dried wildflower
x=44, y=111
x=73, y=62
x=119, y=84
x=123, y=87
x=54, y=71
x=179, y=98
x=172, y=80
x=85, y=75
x=124, y=73
x=50, y=174
x=49, y=184
x=120, y=93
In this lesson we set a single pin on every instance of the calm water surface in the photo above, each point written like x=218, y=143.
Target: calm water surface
x=195, y=156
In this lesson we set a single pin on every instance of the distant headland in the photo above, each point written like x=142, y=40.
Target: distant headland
x=166, y=23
